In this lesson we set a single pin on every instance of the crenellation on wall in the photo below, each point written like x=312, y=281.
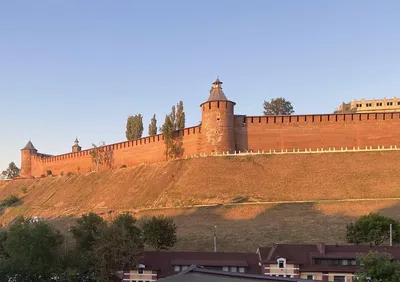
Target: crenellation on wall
x=320, y=118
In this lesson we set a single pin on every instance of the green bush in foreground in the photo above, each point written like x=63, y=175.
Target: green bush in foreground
x=10, y=200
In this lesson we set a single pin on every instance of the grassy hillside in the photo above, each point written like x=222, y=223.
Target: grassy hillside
x=223, y=180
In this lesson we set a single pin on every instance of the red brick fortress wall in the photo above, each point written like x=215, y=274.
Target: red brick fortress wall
x=317, y=131
x=221, y=131
x=145, y=150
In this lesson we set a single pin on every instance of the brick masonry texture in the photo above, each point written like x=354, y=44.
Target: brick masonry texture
x=222, y=131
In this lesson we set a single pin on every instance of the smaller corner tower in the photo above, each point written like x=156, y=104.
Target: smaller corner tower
x=217, y=121
x=26, y=159
x=76, y=148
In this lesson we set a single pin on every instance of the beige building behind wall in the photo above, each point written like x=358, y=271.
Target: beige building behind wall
x=370, y=106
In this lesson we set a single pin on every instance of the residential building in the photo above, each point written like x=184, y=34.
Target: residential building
x=335, y=263
x=195, y=274
x=156, y=265
x=370, y=106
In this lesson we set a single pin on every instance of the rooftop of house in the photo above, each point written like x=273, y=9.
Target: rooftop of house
x=195, y=273
x=305, y=254
x=164, y=262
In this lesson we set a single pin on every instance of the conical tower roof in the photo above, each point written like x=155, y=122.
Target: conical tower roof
x=216, y=93
x=29, y=146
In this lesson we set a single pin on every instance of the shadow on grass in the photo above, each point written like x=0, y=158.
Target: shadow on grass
x=243, y=228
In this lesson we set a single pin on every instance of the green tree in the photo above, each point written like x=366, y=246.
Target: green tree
x=3, y=175
x=278, y=106
x=168, y=131
x=87, y=229
x=372, y=228
x=86, y=233
x=115, y=250
x=128, y=222
x=376, y=267
x=180, y=116
x=134, y=127
x=173, y=139
x=173, y=117
x=159, y=233
x=153, y=126
x=3, y=240
x=33, y=250
x=11, y=172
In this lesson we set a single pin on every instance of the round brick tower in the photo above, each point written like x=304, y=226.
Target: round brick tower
x=26, y=160
x=217, y=122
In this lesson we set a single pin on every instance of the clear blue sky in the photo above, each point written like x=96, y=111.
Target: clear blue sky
x=79, y=68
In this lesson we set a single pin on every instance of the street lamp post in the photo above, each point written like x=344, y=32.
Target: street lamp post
x=215, y=238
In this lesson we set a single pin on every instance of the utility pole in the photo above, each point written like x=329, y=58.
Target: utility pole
x=391, y=235
x=215, y=239
x=65, y=246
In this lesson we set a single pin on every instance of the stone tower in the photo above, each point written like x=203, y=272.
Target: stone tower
x=76, y=148
x=217, y=121
x=26, y=160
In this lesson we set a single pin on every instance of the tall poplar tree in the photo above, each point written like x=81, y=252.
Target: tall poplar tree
x=172, y=116
x=180, y=116
x=134, y=127
x=168, y=131
x=153, y=126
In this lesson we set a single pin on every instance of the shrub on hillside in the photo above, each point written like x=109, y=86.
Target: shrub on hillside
x=62, y=173
x=49, y=172
x=70, y=173
x=240, y=199
x=42, y=176
x=10, y=200
x=123, y=166
x=24, y=189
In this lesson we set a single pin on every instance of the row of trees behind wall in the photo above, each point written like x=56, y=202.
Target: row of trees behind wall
x=134, y=124
x=173, y=122
x=176, y=119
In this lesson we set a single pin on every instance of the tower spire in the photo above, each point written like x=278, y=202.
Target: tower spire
x=76, y=147
x=216, y=93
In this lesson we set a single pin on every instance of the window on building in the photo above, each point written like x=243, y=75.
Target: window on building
x=281, y=264
x=241, y=269
x=310, y=277
x=233, y=269
x=335, y=261
x=184, y=267
x=389, y=103
x=177, y=268
x=225, y=268
x=140, y=270
x=339, y=278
